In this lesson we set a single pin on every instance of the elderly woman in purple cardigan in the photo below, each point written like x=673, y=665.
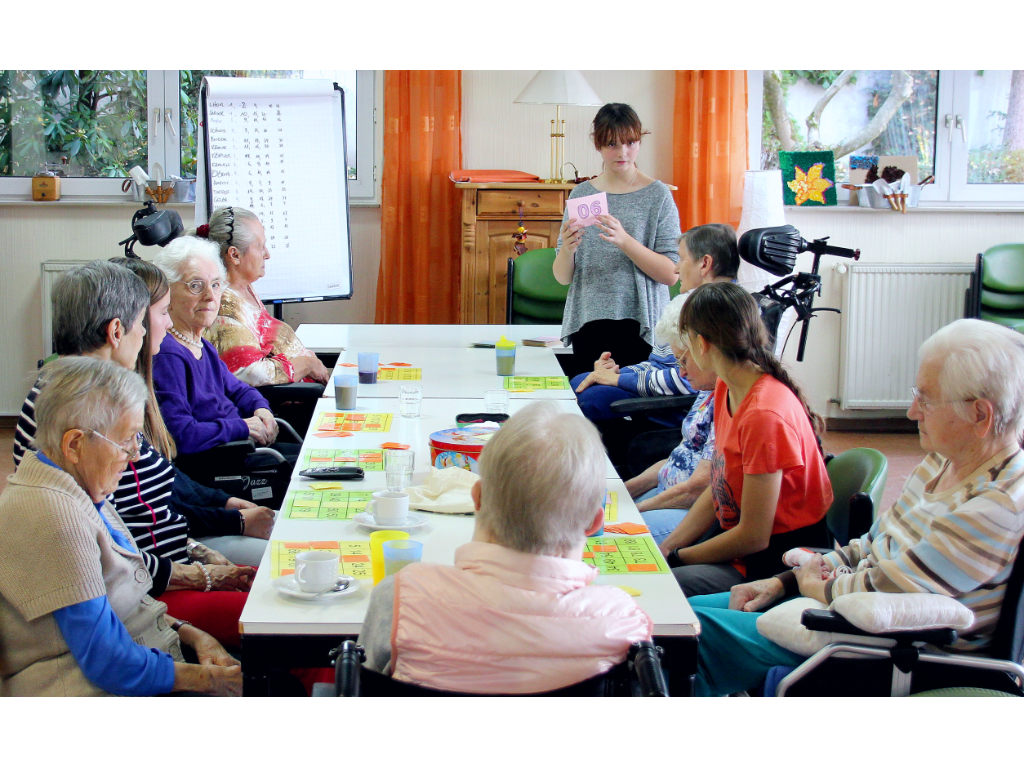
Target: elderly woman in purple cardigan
x=203, y=404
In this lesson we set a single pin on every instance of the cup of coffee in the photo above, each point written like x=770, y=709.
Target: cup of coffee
x=388, y=507
x=316, y=571
x=345, y=388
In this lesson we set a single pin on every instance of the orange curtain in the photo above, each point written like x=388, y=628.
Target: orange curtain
x=709, y=145
x=418, y=280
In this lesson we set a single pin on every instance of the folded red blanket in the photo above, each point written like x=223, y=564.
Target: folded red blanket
x=493, y=176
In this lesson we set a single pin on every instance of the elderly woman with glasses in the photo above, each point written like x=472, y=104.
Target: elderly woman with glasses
x=76, y=618
x=255, y=347
x=202, y=403
x=955, y=530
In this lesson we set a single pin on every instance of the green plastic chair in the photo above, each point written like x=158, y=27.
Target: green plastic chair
x=533, y=296
x=1000, y=292
x=858, y=481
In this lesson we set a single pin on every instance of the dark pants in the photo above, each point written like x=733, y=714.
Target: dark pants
x=620, y=337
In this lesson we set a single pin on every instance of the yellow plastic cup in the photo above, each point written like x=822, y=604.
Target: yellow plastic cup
x=377, y=539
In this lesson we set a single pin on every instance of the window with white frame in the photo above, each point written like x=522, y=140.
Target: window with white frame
x=92, y=126
x=964, y=127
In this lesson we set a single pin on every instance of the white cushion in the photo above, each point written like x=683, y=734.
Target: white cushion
x=870, y=611
x=886, y=612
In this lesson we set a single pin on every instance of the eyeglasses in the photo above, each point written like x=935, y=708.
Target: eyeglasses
x=926, y=405
x=198, y=287
x=135, y=440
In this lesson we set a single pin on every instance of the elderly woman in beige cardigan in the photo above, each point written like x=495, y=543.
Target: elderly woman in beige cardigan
x=75, y=616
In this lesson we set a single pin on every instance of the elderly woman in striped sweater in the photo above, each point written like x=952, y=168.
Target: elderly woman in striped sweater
x=955, y=530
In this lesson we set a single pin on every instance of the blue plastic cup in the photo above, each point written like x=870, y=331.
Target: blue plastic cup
x=398, y=553
x=368, y=367
x=345, y=389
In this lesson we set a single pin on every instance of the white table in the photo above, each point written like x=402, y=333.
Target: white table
x=329, y=337
x=435, y=414
x=454, y=372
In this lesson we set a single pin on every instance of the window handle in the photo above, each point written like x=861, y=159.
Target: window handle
x=962, y=125
x=156, y=122
x=169, y=117
x=949, y=128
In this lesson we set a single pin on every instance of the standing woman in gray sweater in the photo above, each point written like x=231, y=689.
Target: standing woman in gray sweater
x=619, y=269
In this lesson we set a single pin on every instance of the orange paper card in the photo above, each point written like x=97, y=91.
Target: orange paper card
x=349, y=365
x=398, y=446
x=628, y=528
x=642, y=567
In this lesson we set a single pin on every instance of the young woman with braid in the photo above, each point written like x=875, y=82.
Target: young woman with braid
x=769, y=490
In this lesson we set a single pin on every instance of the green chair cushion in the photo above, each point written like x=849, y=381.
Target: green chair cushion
x=1002, y=302
x=1014, y=321
x=1003, y=268
x=532, y=277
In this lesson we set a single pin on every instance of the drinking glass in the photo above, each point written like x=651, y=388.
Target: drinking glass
x=496, y=401
x=398, y=466
x=410, y=399
x=368, y=367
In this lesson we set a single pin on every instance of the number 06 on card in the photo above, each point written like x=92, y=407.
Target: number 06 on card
x=586, y=209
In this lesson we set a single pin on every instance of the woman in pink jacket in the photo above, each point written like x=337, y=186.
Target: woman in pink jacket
x=517, y=612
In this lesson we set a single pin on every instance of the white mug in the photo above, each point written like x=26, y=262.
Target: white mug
x=389, y=507
x=316, y=571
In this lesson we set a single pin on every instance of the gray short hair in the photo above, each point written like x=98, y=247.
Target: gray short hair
x=542, y=480
x=981, y=360
x=86, y=298
x=666, y=331
x=83, y=393
x=232, y=226
x=175, y=256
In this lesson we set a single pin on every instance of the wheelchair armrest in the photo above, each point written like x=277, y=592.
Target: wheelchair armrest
x=235, y=451
x=286, y=430
x=346, y=676
x=830, y=621
x=646, y=658
x=644, y=405
x=300, y=390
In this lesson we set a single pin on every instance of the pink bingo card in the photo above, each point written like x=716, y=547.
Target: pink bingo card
x=586, y=209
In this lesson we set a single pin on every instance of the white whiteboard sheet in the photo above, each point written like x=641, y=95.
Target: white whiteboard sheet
x=277, y=148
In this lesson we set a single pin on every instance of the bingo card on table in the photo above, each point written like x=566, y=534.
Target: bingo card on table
x=369, y=460
x=354, y=556
x=355, y=422
x=536, y=382
x=624, y=554
x=325, y=505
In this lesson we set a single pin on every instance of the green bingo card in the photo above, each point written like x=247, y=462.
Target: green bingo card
x=369, y=459
x=325, y=505
x=624, y=554
x=536, y=382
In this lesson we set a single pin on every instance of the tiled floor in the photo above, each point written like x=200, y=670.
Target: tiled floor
x=902, y=450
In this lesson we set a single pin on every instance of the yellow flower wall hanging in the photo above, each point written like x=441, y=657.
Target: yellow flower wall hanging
x=813, y=186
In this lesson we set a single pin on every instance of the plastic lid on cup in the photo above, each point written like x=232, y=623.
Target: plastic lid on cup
x=504, y=343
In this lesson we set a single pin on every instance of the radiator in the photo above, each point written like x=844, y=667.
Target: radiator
x=51, y=271
x=888, y=311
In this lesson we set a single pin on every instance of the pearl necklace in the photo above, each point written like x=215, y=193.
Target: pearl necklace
x=181, y=337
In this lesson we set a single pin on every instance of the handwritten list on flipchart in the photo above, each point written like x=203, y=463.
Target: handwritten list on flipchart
x=274, y=154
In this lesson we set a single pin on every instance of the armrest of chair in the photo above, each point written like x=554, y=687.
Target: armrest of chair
x=350, y=658
x=303, y=391
x=645, y=405
x=286, y=430
x=830, y=621
x=646, y=658
x=236, y=450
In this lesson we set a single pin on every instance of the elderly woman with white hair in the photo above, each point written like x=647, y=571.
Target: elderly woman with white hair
x=257, y=348
x=75, y=616
x=955, y=530
x=202, y=403
x=517, y=612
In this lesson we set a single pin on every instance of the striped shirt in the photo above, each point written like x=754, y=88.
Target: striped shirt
x=658, y=375
x=960, y=543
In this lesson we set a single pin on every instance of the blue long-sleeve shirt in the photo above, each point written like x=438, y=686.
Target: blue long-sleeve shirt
x=658, y=375
x=101, y=646
x=202, y=402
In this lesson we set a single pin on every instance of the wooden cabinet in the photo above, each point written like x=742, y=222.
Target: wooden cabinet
x=490, y=216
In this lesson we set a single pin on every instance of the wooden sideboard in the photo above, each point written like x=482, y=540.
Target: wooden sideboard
x=490, y=216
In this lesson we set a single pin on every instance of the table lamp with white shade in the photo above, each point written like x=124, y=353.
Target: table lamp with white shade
x=762, y=207
x=559, y=87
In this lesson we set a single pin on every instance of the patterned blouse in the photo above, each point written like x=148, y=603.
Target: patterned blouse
x=253, y=345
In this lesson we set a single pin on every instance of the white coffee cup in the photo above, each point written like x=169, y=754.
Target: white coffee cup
x=389, y=507
x=316, y=571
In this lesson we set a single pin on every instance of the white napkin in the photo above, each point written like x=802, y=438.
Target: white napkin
x=446, y=491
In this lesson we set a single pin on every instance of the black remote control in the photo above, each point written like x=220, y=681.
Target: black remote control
x=334, y=472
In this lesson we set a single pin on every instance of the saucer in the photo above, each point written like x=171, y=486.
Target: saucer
x=287, y=585
x=411, y=523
